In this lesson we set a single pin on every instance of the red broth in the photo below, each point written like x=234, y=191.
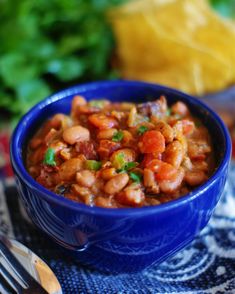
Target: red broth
x=121, y=154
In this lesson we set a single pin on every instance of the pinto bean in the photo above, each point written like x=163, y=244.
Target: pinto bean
x=76, y=103
x=106, y=134
x=104, y=202
x=149, y=181
x=84, y=193
x=85, y=178
x=174, y=153
x=131, y=197
x=166, y=130
x=195, y=178
x=171, y=186
x=116, y=184
x=69, y=168
x=59, y=120
x=76, y=134
x=198, y=149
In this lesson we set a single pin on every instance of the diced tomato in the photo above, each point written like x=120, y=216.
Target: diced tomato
x=152, y=141
x=102, y=121
x=162, y=170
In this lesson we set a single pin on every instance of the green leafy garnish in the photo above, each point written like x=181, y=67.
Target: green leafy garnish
x=127, y=166
x=118, y=136
x=93, y=164
x=136, y=177
x=142, y=129
x=49, y=158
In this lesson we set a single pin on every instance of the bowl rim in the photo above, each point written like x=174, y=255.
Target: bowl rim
x=21, y=171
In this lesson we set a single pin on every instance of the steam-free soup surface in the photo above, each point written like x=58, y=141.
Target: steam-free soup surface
x=121, y=154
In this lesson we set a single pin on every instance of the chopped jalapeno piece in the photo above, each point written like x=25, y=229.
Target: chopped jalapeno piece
x=135, y=177
x=142, y=130
x=93, y=164
x=127, y=166
x=49, y=158
x=118, y=136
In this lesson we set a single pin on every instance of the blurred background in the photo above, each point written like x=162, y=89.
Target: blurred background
x=47, y=46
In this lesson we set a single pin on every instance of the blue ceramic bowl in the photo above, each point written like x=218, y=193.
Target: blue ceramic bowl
x=129, y=239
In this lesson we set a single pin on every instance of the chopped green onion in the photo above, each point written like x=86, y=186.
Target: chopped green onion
x=119, y=161
x=118, y=136
x=127, y=166
x=49, y=157
x=136, y=177
x=93, y=164
x=142, y=130
x=98, y=103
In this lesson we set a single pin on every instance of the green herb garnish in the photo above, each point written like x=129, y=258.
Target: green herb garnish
x=93, y=164
x=118, y=136
x=127, y=166
x=142, y=129
x=49, y=158
x=136, y=177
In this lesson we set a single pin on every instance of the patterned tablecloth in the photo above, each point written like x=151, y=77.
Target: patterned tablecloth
x=205, y=266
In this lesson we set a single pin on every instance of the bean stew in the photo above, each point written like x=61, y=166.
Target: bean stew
x=123, y=154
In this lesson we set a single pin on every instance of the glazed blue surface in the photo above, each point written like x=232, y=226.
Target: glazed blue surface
x=120, y=240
